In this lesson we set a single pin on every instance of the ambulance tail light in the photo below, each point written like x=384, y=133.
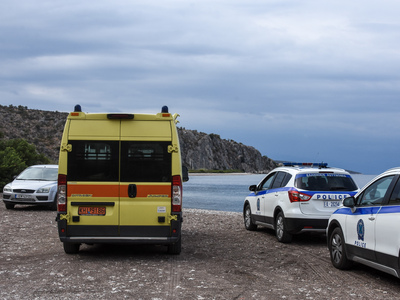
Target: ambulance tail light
x=176, y=193
x=296, y=196
x=62, y=193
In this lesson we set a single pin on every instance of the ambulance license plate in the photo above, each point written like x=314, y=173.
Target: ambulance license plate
x=331, y=203
x=92, y=211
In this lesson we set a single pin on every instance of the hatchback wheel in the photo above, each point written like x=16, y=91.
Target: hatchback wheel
x=337, y=250
x=9, y=205
x=280, y=229
x=248, y=222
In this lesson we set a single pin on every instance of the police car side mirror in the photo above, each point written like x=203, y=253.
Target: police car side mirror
x=349, y=202
x=253, y=188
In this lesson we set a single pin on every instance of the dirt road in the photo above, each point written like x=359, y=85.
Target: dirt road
x=219, y=260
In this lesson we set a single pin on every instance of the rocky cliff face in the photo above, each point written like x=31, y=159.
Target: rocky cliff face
x=209, y=151
x=199, y=150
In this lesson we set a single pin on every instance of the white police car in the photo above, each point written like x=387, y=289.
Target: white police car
x=366, y=229
x=297, y=198
x=35, y=185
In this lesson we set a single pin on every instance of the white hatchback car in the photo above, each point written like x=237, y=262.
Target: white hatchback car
x=35, y=185
x=365, y=229
x=297, y=198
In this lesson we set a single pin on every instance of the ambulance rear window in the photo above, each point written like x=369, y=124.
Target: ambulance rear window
x=145, y=161
x=93, y=161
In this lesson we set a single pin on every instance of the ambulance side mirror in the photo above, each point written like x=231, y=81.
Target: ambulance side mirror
x=185, y=174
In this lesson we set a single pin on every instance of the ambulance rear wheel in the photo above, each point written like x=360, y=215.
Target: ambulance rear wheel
x=71, y=248
x=175, y=248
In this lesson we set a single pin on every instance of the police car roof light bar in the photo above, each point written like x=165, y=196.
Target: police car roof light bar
x=295, y=164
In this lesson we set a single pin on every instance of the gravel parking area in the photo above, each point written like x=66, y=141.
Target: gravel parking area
x=219, y=260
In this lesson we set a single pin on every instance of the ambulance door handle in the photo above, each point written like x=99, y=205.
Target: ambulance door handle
x=132, y=190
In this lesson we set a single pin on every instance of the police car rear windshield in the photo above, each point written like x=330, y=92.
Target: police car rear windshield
x=325, y=182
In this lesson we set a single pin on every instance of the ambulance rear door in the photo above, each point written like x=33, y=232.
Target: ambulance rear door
x=93, y=178
x=145, y=178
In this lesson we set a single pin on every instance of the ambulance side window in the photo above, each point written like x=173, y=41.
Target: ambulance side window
x=145, y=161
x=93, y=161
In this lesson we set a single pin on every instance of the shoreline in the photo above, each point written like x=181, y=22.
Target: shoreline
x=220, y=174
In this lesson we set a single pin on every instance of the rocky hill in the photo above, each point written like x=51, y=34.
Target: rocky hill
x=199, y=150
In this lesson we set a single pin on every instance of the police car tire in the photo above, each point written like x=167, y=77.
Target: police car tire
x=337, y=250
x=248, y=222
x=71, y=248
x=280, y=229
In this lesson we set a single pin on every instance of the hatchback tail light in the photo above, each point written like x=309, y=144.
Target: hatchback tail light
x=296, y=196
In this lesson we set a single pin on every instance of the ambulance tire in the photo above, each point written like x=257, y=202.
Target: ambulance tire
x=337, y=250
x=71, y=248
x=281, y=233
x=175, y=248
x=248, y=222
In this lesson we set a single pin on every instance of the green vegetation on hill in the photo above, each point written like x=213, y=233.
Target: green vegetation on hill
x=15, y=156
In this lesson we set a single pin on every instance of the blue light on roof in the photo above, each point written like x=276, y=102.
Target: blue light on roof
x=296, y=164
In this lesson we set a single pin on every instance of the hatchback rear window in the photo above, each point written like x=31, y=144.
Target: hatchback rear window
x=325, y=182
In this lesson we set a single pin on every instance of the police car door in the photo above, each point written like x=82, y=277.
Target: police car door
x=275, y=193
x=263, y=195
x=360, y=224
x=387, y=243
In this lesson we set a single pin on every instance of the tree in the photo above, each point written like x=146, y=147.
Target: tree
x=15, y=156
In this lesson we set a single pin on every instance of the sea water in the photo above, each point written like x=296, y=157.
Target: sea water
x=227, y=192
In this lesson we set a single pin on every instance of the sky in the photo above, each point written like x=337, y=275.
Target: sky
x=309, y=81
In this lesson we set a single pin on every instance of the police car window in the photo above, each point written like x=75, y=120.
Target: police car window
x=145, y=161
x=286, y=179
x=93, y=161
x=375, y=193
x=395, y=197
x=325, y=182
x=267, y=182
x=278, y=180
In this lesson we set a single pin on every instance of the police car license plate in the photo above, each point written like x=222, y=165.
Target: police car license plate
x=91, y=211
x=331, y=203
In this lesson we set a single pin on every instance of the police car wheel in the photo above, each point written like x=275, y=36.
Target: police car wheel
x=71, y=248
x=337, y=250
x=280, y=229
x=248, y=222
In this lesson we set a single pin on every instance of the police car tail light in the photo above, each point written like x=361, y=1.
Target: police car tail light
x=176, y=193
x=295, y=196
x=62, y=193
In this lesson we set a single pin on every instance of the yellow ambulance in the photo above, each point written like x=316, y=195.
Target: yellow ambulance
x=120, y=180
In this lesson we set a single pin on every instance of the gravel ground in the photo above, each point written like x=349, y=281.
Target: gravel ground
x=219, y=260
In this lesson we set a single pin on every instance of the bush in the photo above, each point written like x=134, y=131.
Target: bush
x=15, y=156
